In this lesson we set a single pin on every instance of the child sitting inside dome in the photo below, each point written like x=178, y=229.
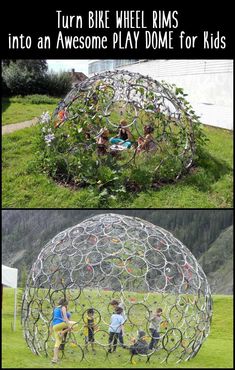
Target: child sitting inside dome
x=123, y=139
x=140, y=345
x=102, y=140
x=147, y=142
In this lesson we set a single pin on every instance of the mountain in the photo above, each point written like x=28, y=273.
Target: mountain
x=25, y=232
x=217, y=263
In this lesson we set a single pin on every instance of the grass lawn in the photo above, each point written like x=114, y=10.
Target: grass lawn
x=216, y=352
x=15, y=110
x=210, y=185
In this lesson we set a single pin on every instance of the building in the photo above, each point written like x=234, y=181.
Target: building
x=77, y=77
x=102, y=65
x=208, y=82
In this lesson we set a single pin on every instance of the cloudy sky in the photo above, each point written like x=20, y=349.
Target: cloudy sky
x=80, y=65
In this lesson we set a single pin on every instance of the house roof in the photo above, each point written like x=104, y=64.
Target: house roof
x=77, y=76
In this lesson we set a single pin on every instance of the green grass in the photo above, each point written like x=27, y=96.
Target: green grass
x=209, y=185
x=18, y=109
x=216, y=352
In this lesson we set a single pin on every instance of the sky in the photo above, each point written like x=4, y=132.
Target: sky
x=80, y=65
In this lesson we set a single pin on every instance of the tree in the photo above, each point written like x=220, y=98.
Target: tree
x=19, y=81
x=30, y=76
x=24, y=76
x=23, y=276
x=38, y=66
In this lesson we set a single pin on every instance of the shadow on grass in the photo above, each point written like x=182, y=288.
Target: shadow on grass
x=203, y=175
x=208, y=170
x=5, y=104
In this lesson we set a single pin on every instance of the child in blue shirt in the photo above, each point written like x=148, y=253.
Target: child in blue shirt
x=60, y=322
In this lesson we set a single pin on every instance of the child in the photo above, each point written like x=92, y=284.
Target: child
x=154, y=327
x=59, y=323
x=147, y=142
x=115, y=327
x=64, y=332
x=124, y=135
x=102, y=140
x=115, y=304
x=89, y=328
x=140, y=346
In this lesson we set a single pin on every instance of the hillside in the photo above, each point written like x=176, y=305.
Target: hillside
x=217, y=262
x=25, y=232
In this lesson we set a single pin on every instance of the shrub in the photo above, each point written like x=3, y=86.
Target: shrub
x=34, y=99
x=58, y=84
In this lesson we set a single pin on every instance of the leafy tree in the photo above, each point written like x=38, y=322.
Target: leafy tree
x=58, y=84
x=19, y=81
x=37, y=66
x=30, y=76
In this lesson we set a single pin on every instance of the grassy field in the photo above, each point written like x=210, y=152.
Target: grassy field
x=210, y=185
x=17, y=109
x=216, y=352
